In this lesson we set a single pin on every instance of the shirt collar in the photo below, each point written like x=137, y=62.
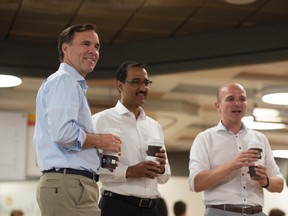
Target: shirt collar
x=220, y=127
x=73, y=72
x=123, y=110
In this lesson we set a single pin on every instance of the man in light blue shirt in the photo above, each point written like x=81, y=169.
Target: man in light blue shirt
x=65, y=142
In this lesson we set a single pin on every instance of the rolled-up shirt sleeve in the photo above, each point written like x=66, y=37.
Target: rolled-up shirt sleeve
x=63, y=123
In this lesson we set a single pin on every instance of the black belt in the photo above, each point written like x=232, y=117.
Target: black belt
x=141, y=202
x=87, y=174
x=235, y=208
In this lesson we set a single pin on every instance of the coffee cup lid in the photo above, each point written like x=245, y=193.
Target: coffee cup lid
x=255, y=144
x=153, y=141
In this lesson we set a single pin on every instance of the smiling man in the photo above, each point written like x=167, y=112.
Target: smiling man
x=219, y=161
x=132, y=188
x=65, y=142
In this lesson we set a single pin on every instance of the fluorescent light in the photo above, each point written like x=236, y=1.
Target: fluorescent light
x=9, y=81
x=250, y=123
x=276, y=95
x=280, y=153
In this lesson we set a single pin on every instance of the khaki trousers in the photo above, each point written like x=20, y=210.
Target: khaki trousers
x=67, y=195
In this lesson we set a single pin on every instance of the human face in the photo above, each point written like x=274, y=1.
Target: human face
x=232, y=104
x=132, y=97
x=83, y=52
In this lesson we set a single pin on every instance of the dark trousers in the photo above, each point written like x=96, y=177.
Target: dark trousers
x=111, y=206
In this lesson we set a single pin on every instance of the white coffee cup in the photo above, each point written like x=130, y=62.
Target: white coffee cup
x=154, y=146
x=110, y=158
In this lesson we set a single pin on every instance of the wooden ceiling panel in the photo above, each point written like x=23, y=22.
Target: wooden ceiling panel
x=132, y=36
x=222, y=14
x=103, y=19
x=7, y=13
x=127, y=6
x=268, y=17
x=172, y=8
x=202, y=26
x=279, y=6
x=42, y=20
x=154, y=24
x=51, y=10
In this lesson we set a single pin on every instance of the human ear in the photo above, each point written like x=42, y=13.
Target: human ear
x=119, y=84
x=216, y=105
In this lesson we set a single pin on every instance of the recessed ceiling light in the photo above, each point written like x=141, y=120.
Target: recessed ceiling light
x=266, y=115
x=276, y=95
x=250, y=123
x=9, y=81
x=240, y=2
x=265, y=112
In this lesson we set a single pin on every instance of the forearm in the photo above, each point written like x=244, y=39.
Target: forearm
x=210, y=178
x=92, y=141
x=276, y=184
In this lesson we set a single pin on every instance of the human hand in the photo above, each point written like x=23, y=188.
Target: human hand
x=161, y=157
x=262, y=174
x=244, y=158
x=146, y=169
x=110, y=142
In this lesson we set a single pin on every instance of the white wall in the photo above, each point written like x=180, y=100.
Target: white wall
x=22, y=195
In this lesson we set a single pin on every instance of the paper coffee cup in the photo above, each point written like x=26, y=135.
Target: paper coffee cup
x=255, y=145
x=109, y=158
x=154, y=146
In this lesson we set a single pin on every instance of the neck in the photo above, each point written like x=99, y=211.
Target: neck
x=233, y=127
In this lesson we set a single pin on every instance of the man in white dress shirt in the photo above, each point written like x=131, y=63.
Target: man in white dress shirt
x=219, y=161
x=132, y=188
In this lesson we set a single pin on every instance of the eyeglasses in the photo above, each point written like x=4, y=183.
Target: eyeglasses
x=138, y=82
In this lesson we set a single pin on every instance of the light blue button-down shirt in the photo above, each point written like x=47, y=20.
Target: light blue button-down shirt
x=63, y=118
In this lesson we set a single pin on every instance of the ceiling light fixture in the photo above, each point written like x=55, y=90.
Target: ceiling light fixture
x=250, y=123
x=240, y=2
x=266, y=115
x=9, y=81
x=277, y=95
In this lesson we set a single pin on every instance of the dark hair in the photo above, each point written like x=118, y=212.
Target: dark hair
x=276, y=212
x=179, y=208
x=16, y=212
x=125, y=66
x=67, y=35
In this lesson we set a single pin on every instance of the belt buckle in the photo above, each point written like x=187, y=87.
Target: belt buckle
x=247, y=210
x=145, y=203
x=107, y=193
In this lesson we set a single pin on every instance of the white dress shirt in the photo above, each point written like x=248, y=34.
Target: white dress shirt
x=134, y=136
x=216, y=146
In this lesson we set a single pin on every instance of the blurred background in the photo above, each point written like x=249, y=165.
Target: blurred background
x=191, y=48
